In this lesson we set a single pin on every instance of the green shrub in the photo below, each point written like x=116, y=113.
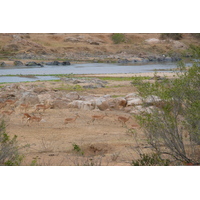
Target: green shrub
x=118, y=38
x=77, y=149
x=9, y=149
x=173, y=36
x=173, y=126
x=150, y=160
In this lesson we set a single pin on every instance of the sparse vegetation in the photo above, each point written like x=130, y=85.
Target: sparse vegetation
x=196, y=35
x=9, y=149
x=77, y=149
x=70, y=87
x=173, y=36
x=135, y=78
x=153, y=159
x=118, y=38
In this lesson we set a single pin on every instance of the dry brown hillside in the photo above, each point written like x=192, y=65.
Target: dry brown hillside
x=78, y=46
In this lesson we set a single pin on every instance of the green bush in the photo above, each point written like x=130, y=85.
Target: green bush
x=173, y=127
x=9, y=149
x=118, y=38
x=150, y=160
x=173, y=36
x=77, y=149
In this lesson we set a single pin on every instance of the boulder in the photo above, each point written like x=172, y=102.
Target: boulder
x=34, y=64
x=88, y=105
x=18, y=63
x=121, y=102
x=161, y=58
x=152, y=58
x=136, y=60
x=117, y=103
x=75, y=104
x=60, y=104
x=150, y=100
x=94, y=43
x=39, y=90
x=57, y=63
x=73, y=96
x=90, y=86
x=131, y=96
x=2, y=64
x=66, y=63
x=168, y=59
x=101, y=103
x=135, y=101
x=140, y=109
x=123, y=61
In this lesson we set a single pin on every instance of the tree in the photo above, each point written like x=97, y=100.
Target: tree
x=173, y=125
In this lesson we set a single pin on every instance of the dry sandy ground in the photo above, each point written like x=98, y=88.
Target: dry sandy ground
x=104, y=142
x=148, y=74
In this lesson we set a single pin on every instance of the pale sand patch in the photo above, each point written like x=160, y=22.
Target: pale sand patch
x=149, y=74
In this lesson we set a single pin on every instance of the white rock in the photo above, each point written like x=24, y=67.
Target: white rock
x=131, y=95
x=134, y=101
x=152, y=99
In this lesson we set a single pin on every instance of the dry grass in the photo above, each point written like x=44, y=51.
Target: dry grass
x=134, y=43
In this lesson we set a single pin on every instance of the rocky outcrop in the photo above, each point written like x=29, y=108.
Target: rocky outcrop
x=123, y=61
x=117, y=103
x=73, y=96
x=3, y=64
x=140, y=109
x=33, y=64
x=56, y=63
x=133, y=99
x=60, y=104
x=102, y=103
x=18, y=63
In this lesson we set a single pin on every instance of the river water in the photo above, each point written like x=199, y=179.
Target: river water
x=86, y=68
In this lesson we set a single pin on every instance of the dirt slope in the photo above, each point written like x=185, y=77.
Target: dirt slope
x=77, y=46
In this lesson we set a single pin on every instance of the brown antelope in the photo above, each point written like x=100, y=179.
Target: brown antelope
x=26, y=116
x=134, y=126
x=34, y=119
x=41, y=107
x=98, y=117
x=10, y=102
x=69, y=120
x=2, y=104
x=123, y=119
x=7, y=112
x=24, y=107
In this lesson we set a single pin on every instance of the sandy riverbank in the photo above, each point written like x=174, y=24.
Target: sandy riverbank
x=148, y=74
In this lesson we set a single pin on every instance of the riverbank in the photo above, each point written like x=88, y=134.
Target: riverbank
x=147, y=74
x=94, y=48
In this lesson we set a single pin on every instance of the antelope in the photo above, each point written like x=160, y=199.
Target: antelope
x=99, y=117
x=10, y=102
x=69, y=120
x=34, y=118
x=27, y=116
x=6, y=112
x=24, y=106
x=123, y=119
x=134, y=126
x=42, y=107
x=2, y=104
